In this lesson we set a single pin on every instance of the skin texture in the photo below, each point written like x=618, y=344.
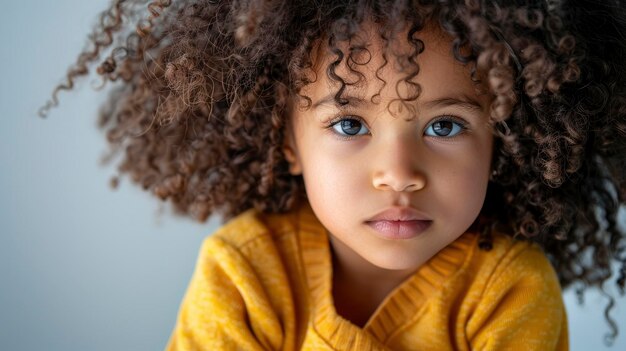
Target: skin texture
x=396, y=160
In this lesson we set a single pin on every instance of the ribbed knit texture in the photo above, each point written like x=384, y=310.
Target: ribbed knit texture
x=263, y=282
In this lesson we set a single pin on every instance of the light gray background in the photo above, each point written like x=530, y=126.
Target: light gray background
x=83, y=267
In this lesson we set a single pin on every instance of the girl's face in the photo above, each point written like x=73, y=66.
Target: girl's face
x=394, y=186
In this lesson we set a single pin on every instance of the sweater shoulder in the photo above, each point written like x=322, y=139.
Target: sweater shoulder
x=509, y=250
x=250, y=227
x=514, y=260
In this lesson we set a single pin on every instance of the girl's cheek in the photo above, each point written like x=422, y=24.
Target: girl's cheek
x=335, y=144
x=465, y=167
x=473, y=152
x=340, y=156
x=337, y=172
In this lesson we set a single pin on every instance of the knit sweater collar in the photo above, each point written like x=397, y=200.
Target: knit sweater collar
x=396, y=310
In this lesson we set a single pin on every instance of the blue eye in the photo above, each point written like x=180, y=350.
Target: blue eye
x=350, y=127
x=445, y=128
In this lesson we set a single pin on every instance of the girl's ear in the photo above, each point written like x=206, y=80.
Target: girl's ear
x=290, y=149
x=291, y=154
x=292, y=158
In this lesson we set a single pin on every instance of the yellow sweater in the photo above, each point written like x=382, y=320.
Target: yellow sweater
x=263, y=282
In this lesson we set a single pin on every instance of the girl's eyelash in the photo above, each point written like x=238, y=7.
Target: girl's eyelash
x=334, y=120
x=450, y=118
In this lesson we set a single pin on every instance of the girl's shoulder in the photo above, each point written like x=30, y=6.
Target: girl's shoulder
x=512, y=260
x=252, y=227
x=506, y=246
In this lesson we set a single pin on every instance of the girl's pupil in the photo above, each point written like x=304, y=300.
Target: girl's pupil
x=442, y=128
x=350, y=126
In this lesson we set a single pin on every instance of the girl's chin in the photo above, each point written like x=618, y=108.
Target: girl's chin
x=402, y=262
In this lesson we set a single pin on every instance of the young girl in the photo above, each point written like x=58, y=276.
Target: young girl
x=398, y=175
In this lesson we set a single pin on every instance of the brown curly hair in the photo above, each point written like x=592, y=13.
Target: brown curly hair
x=202, y=90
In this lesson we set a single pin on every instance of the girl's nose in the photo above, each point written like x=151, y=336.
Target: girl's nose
x=396, y=170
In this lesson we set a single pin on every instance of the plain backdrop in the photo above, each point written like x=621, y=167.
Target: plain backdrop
x=83, y=267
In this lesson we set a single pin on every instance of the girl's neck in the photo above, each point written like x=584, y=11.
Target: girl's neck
x=358, y=286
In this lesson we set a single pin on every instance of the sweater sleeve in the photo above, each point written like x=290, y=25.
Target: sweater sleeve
x=521, y=307
x=225, y=306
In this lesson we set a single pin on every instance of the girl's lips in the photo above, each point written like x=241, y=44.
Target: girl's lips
x=397, y=213
x=389, y=229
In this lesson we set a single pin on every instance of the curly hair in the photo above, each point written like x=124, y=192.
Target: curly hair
x=202, y=89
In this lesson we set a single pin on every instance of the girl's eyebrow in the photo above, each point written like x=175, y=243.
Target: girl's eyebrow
x=462, y=101
x=330, y=100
